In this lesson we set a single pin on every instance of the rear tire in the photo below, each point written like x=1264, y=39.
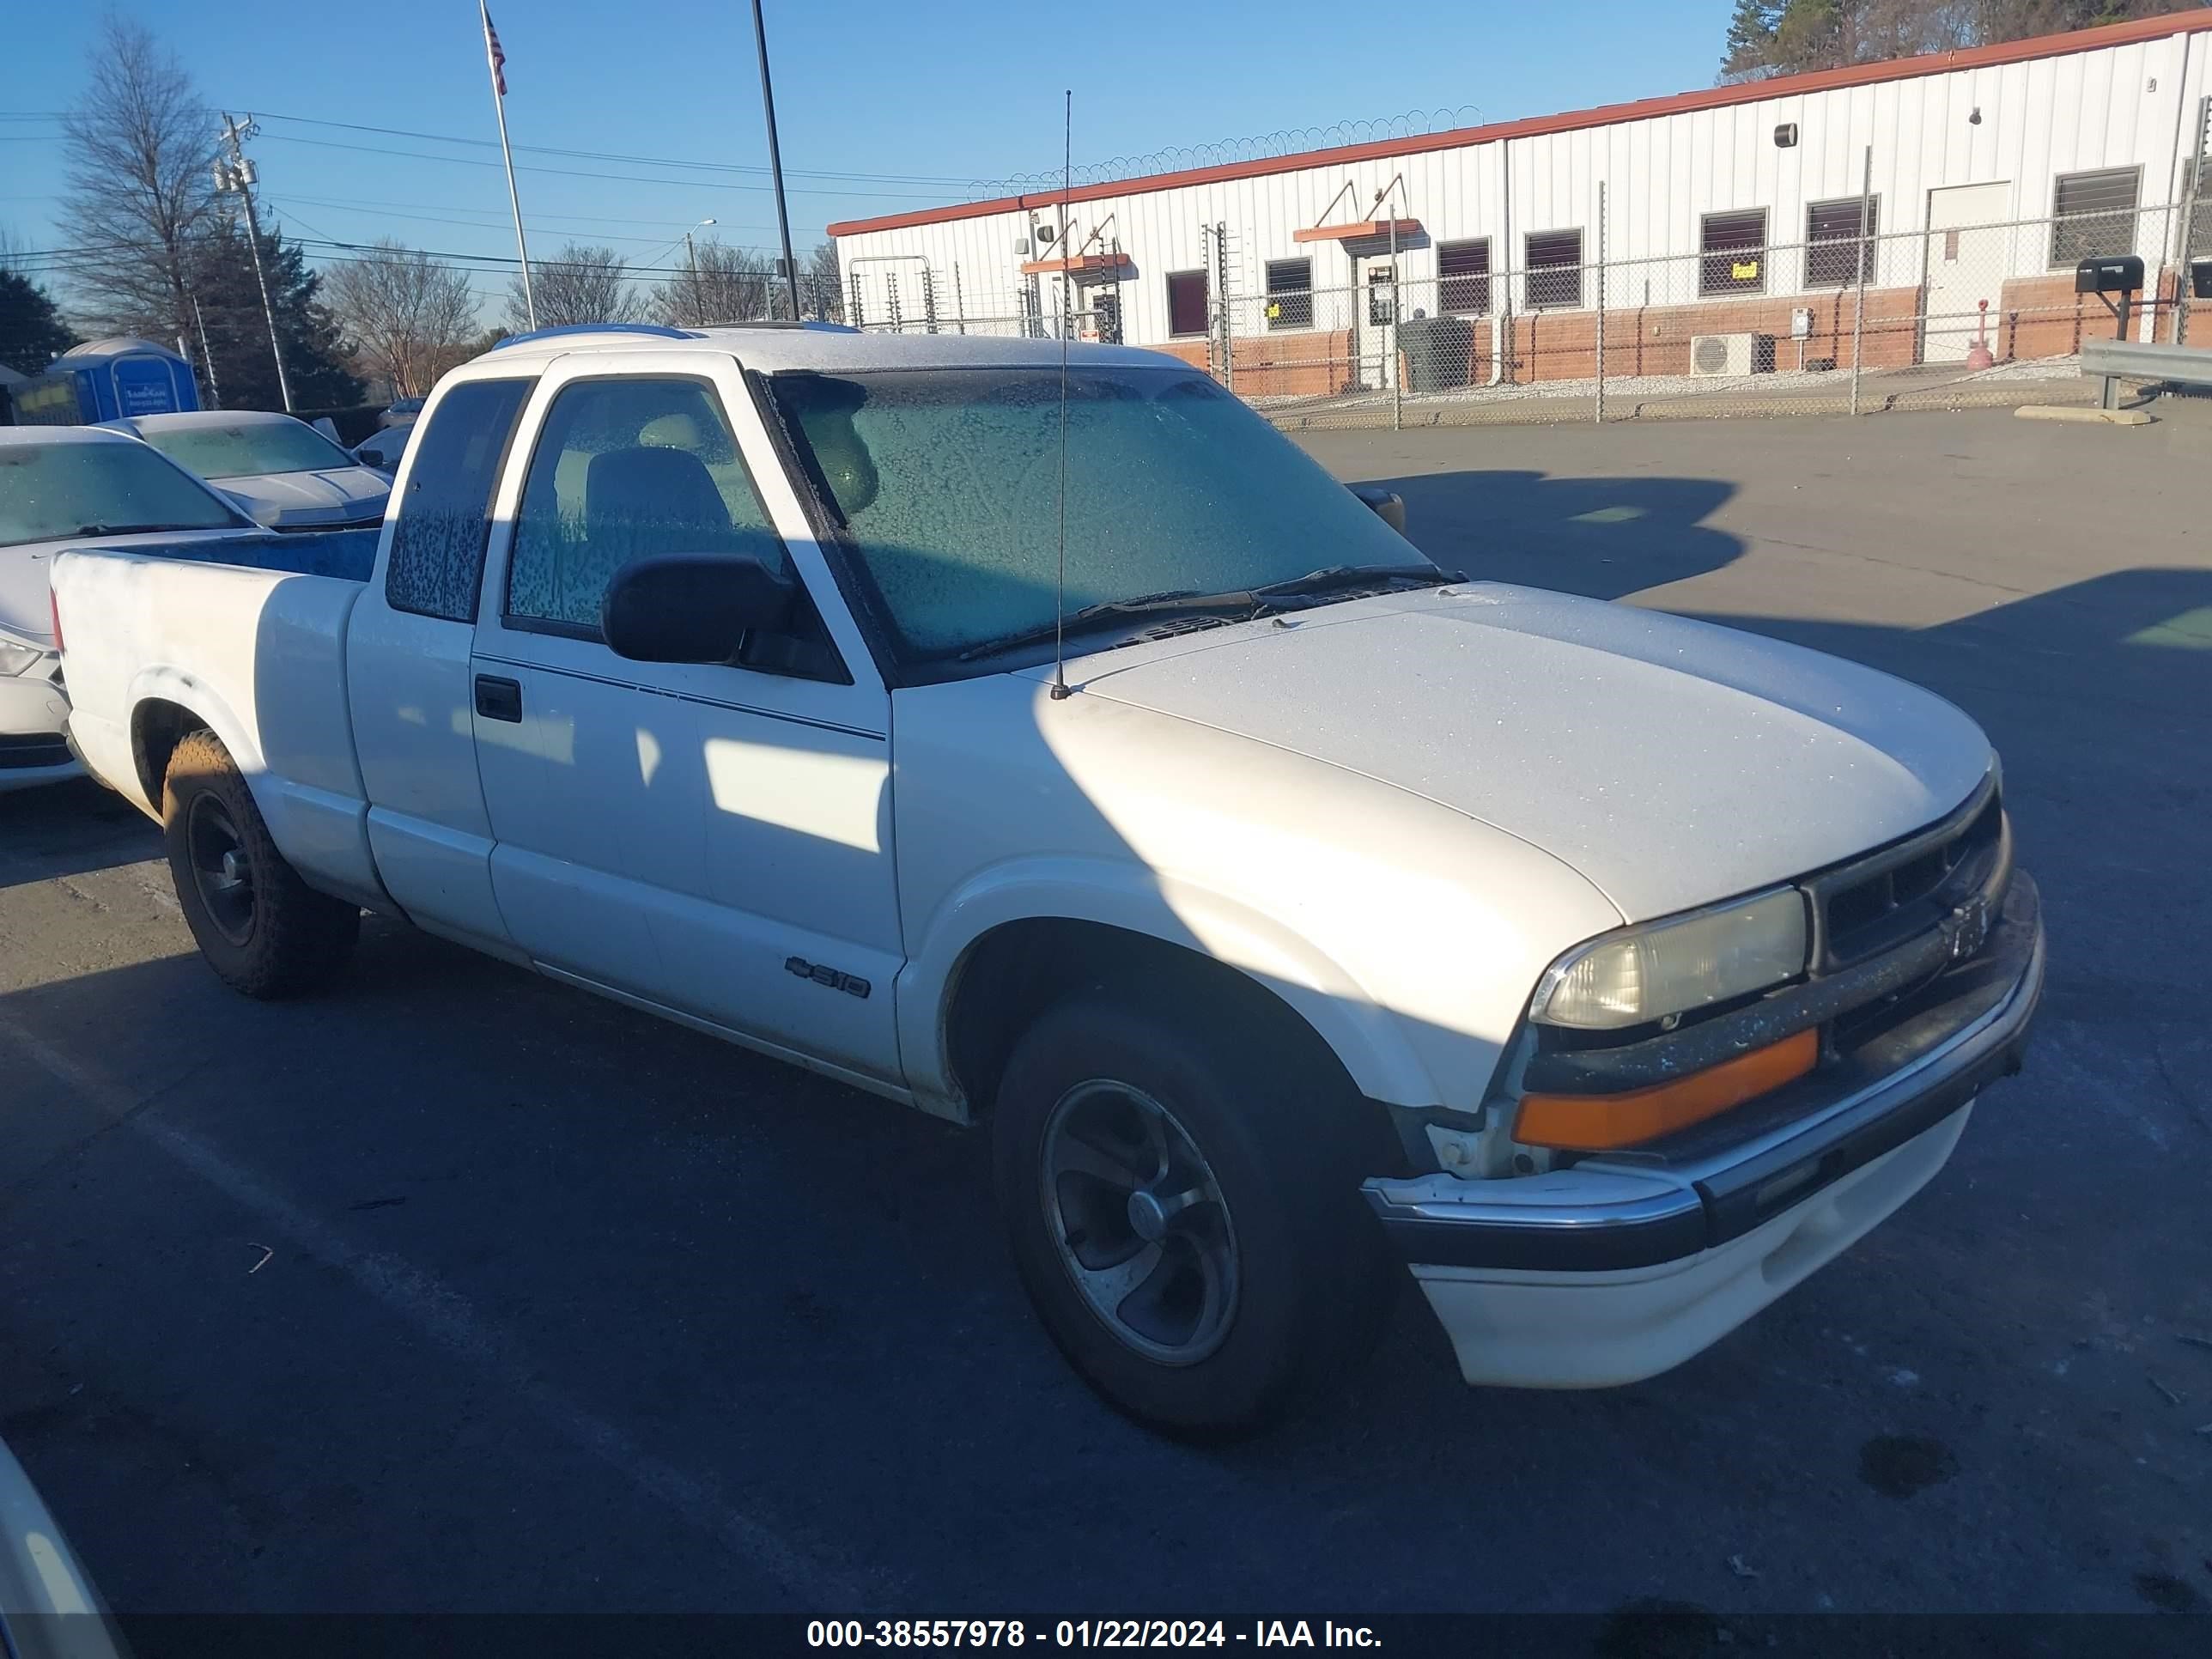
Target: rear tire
x=264, y=932
x=1131, y=1130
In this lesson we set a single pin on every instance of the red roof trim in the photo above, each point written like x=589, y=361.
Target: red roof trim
x=1749, y=92
x=1366, y=229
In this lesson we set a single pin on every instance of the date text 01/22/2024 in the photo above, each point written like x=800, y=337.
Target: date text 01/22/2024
x=1085, y=1633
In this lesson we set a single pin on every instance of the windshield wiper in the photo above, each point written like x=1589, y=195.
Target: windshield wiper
x=1187, y=601
x=1330, y=577
x=137, y=529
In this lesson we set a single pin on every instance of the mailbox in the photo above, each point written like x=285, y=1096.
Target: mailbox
x=2121, y=273
x=2200, y=278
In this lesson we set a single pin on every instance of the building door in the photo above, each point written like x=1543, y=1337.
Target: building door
x=1375, y=319
x=1969, y=256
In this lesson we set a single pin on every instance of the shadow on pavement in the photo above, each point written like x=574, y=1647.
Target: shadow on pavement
x=1605, y=538
x=69, y=829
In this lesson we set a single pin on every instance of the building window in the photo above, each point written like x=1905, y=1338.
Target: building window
x=1463, y=277
x=1555, y=269
x=1289, y=293
x=1187, y=307
x=1735, y=249
x=2093, y=215
x=1831, y=232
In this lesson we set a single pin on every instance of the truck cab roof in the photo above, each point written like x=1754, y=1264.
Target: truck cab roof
x=777, y=347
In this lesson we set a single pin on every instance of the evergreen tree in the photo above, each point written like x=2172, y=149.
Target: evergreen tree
x=244, y=369
x=31, y=330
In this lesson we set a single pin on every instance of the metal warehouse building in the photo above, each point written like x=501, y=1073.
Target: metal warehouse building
x=1724, y=231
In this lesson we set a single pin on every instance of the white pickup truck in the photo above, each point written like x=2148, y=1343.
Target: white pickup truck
x=1329, y=914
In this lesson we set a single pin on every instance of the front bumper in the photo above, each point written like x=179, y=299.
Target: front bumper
x=1628, y=1263
x=33, y=719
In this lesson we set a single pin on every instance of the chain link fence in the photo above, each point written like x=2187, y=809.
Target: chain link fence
x=1845, y=317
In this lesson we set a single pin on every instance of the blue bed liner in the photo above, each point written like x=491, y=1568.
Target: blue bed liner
x=347, y=554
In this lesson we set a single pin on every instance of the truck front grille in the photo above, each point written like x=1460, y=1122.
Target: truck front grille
x=1876, y=903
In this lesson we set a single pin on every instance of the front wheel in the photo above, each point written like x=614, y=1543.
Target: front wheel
x=1184, y=1211
x=263, y=931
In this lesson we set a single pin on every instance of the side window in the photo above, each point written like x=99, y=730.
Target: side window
x=626, y=469
x=438, y=535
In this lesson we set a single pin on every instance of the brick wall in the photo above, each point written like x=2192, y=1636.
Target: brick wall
x=1562, y=346
x=1311, y=363
x=2044, y=317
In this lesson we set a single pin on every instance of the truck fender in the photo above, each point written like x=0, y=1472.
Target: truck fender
x=163, y=684
x=1366, y=1038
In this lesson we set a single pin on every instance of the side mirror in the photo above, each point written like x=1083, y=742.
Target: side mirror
x=691, y=607
x=1387, y=504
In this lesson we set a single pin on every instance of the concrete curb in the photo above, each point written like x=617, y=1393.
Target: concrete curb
x=2086, y=417
x=1548, y=411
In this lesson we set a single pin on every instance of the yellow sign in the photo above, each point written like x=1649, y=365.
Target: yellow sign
x=1744, y=272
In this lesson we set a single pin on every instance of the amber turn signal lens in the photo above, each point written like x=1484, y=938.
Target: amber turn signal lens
x=1596, y=1123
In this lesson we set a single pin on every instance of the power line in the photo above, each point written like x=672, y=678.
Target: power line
x=607, y=178
x=625, y=158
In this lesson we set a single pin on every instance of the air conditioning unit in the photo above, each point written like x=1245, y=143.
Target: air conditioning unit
x=1720, y=354
x=1731, y=353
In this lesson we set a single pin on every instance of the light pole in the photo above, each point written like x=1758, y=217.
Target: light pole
x=775, y=161
x=691, y=259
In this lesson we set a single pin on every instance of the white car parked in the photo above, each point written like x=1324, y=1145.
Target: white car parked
x=65, y=486
x=1330, y=915
x=285, y=475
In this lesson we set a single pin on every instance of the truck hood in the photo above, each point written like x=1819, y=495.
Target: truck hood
x=283, y=501
x=1671, y=763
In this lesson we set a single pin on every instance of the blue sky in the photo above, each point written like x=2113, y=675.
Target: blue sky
x=882, y=107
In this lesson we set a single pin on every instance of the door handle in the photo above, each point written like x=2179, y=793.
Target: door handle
x=498, y=699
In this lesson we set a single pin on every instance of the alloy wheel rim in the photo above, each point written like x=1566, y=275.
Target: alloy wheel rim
x=1139, y=1221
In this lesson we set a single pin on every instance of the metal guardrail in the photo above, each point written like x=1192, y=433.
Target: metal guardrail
x=2131, y=360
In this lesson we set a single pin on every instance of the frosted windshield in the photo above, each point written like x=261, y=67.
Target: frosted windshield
x=948, y=483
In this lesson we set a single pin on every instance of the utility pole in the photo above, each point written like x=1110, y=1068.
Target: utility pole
x=215, y=391
x=235, y=173
x=691, y=261
x=775, y=161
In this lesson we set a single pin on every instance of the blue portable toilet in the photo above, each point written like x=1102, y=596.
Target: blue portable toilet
x=112, y=379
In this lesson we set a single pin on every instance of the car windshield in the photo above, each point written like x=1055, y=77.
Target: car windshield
x=241, y=449
x=51, y=491
x=947, y=483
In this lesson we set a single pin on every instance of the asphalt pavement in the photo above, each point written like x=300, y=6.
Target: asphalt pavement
x=458, y=1289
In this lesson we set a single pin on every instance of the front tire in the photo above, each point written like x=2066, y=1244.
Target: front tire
x=264, y=932
x=1184, y=1211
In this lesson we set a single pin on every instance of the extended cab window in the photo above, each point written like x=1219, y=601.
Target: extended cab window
x=438, y=530
x=624, y=470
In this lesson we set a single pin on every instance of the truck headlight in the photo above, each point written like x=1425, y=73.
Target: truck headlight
x=1671, y=967
x=16, y=657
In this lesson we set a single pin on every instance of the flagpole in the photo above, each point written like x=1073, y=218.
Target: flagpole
x=514, y=201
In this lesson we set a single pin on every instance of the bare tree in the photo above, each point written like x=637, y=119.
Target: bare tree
x=578, y=284
x=140, y=147
x=411, y=317
x=822, y=285
x=718, y=284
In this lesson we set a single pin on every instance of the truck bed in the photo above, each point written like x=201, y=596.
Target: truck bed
x=248, y=639
x=347, y=554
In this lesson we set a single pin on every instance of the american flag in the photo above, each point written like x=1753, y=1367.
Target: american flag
x=498, y=57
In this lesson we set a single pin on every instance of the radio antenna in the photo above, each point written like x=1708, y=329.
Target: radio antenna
x=1059, y=578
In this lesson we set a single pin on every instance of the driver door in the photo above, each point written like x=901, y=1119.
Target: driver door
x=698, y=838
